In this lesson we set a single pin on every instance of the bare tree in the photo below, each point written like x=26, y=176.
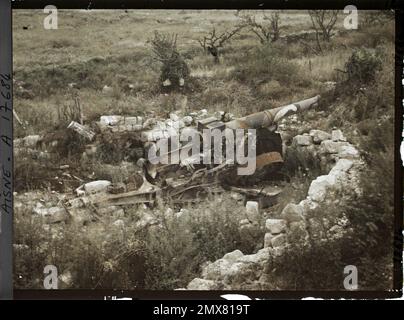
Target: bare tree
x=323, y=22
x=265, y=32
x=213, y=42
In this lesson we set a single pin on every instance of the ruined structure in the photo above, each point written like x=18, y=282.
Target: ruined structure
x=181, y=183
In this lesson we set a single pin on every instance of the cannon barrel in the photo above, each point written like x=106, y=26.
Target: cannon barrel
x=269, y=117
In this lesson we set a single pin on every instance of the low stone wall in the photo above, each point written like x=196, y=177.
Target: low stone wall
x=236, y=271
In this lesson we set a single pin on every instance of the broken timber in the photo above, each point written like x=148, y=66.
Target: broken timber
x=81, y=130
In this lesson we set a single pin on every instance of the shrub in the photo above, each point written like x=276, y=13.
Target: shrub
x=174, y=70
x=29, y=254
x=371, y=36
x=362, y=66
x=318, y=262
x=366, y=105
x=63, y=43
x=164, y=256
x=93, y=74
x=103, y=256
x=266, y=63
x=264, y=31
x=272, y=89
x=176, y=251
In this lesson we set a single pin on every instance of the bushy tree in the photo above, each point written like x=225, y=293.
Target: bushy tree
x=174, y=70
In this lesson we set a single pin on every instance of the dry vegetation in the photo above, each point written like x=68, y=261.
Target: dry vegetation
x=98, y=48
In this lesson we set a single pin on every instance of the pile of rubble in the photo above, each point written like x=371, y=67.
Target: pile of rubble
x=175, y=181
x=78, y=205
x=142, y=185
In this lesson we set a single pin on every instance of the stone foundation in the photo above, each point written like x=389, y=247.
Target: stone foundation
x=236, y=271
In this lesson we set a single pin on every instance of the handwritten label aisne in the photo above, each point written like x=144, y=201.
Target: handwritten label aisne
x=6, y=114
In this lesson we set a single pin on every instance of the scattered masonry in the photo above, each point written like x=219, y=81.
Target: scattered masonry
x=236, y=271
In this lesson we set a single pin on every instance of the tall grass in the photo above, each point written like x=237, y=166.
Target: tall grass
x=164, y=256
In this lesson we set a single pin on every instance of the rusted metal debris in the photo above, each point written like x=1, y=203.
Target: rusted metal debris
x=188, y=181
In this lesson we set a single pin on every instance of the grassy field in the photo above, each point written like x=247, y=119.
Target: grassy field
x=93, y=49
x=98, y=48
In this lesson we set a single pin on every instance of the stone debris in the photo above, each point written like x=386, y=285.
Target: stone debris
x=278, y=240
x=201, y=114
x=146, y=220
x=107, y=90
x=174, y=117
x=329, y=146
x=81, y=130
x=349, y=152
x=114, y=211
x=119, y=223
x=149, y=123
x=202, y=284
x=240, y=272
x=275, y=226
x=330, y=85
x=188, y=120
x=333, y=181
x=233, y=256
x=267, y=239
x=166, y=83
x=248, y=230
x=252, y=210
x=297, y=228
x=97, y=186
x=28, y=141
x=319, y=136
x=116, y=123
x=343, y=165
x=248, y=270
x=65, y=280
x=336, y=135
x=292, y=213
x=72, y=85
x=216, y=270
x=26, y=153
x=234, y=270
x=319, y=187
x=302, y=140
x=110, y=120
x=52, y=214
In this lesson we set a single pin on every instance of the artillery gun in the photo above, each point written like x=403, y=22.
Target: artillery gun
x=268, y=143
x=269, y=151
x=189, y=180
